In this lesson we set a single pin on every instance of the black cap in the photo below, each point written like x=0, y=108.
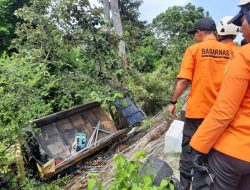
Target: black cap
x=236, y=20
x=243, y=42
x=204, y=24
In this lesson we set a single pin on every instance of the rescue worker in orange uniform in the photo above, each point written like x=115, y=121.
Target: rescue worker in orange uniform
x=227, y=33
x=203, y=66
x=225, y=132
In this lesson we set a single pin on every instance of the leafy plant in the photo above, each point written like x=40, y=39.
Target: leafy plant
x=23, y=87
x=8, y=21
x=176, y=21
x=147, y=123
x=123, y=103
x=38, y=185
x=127, y=176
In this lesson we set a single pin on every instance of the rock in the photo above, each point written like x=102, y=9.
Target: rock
x=157, y=167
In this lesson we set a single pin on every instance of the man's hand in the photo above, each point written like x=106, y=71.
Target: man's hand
x=199, y=161
x=181, y=85
x=171, y=109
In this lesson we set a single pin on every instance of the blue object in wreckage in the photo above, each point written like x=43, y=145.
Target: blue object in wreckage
x=130, y=111
x=81, y=141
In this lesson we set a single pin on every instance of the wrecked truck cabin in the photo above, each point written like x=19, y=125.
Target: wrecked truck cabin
x=66, y=137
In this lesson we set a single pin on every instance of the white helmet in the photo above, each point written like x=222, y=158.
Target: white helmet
x=223, y=28
x=243, y=2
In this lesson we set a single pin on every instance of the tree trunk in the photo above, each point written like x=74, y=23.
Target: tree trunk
x=118, y=30
x=151, y=136
x=20, y=162
x=106, y=8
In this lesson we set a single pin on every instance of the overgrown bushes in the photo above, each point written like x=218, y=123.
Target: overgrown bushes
x=128, y=177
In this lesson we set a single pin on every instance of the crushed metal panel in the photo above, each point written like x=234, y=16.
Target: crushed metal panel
x=130, y=111
x=79, y=156
x=57, y=133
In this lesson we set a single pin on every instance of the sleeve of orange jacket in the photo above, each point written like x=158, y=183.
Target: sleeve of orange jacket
x=187, y=65
x=233, y=89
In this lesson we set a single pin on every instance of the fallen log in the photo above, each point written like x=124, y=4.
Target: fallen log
x=151, y=136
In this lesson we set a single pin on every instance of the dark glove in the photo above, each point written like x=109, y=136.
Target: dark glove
x=199, y=161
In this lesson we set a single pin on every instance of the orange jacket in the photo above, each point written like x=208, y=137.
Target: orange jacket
x=227, y=126
x=231, y=45
x=204, y=64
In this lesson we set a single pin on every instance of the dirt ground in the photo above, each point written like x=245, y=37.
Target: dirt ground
x=102, y=163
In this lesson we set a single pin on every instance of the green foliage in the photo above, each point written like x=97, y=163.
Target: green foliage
x=147, y=123
x=123, y=104
x=177, y=20
x=78, y=54
x=8, y=21
x=142, y=47
x=38, y=185
x=143, y=58
x=50, y=73
x=127, y=176
x=23, y=86
x=33, y=184
x=150, y=90
x=129, y=10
